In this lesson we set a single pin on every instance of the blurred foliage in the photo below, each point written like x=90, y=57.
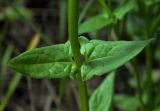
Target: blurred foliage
x=15, y=13
x=20, y=20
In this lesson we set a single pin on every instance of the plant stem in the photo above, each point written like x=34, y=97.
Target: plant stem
x=83, y=93
x=85, y=9
x=73, y=7
x=149, y=79
x=5, y=58
x=106, y=7
x=149, y=76
x=73, y=30
x=138, y=80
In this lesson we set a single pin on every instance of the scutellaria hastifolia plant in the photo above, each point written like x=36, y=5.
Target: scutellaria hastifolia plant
x=81, y=59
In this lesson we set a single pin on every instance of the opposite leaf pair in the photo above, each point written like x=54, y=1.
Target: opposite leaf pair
x=106, y=18
x=56, y=61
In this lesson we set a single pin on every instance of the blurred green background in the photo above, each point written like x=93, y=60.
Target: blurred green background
x=27, y=24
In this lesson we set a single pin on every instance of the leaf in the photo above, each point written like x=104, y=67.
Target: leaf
x=121, y=11
x=150, y=2
x=106, y=7
x=3, y=64
x=102, y=97
x=95, y=23
x=127, y=103
x=47, y=62
x=56, y=61
x=12, y=13
x=104, y=19
x=104, y=56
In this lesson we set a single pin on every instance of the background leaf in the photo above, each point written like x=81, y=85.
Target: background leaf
x=127, y=103
x=95, y=23
x=121, y=11
x=47, y=62
x=102, y=97
x=15, y=12
x=104, y=19
x=106, y=7
x=104, y=56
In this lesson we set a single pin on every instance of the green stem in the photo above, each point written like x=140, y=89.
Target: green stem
x=138, y=80
x=83, y=93
x=73, y=7
x=5, y=58
x=149, y=77
x=12, y=87
x=106, y=7
x=85, y=9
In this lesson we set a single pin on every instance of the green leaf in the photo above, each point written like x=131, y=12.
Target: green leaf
x=104, y=56
x=102, y=97
x=23, y=13
x=3, y=68
x=121, y=11
x=56, y=61
x=47, y=62
x=104, y=19
x=15, y=12
x=150, y=2
x=95, y=23
x=106, y=7
x=127, y=103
